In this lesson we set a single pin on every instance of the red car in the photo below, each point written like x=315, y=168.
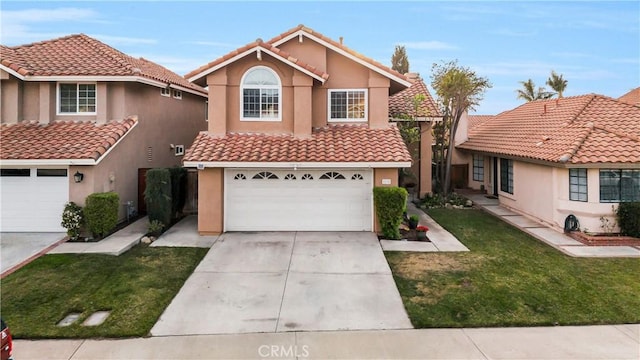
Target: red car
x=7, y=343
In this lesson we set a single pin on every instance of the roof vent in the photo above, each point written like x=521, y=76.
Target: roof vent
x=564, y=158
x=136, y=70
x=341, y=40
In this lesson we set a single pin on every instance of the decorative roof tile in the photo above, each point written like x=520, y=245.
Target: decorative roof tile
x=333, y=143
x=81, y=55
x=60, y=140
x=401, y=103
x=587, y=129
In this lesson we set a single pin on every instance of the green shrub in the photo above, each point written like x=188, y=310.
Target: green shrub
x=101, y=213
x=155, y=228
x=391, y=203
x=157, y=195
x=628, y=214
x=178, y=190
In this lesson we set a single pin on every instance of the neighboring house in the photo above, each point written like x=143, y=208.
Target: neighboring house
x=298, y=136
x=632, y=97
x=425, y=113
x=551, y=158
x=74, y=107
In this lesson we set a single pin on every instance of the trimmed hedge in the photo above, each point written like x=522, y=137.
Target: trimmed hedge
x=178, y=190
x=157, y=196
x=101, y=213
x=391, y=203
x=628, y=214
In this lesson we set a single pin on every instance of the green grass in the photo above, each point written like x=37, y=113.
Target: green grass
x=135, y=286
x=511, y=279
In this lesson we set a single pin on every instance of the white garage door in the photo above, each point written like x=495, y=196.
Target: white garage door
x=305, y=200
x=32, y=200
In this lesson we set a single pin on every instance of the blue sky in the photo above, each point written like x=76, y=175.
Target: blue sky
x=595, y=45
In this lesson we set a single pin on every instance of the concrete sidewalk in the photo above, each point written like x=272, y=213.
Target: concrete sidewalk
x=548, y=235
x=114, y=244
x=561, y=342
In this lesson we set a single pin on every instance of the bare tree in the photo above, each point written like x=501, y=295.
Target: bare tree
x=458, y=89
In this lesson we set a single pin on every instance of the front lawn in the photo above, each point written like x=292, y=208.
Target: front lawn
x=511, y=279
x=135, y=286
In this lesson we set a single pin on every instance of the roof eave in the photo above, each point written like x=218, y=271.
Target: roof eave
x=297, y=165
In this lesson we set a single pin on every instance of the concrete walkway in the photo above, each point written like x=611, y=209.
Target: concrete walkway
x=185, y=234
x=561, y=342
x=114, y=244
x=548, y=235
x=440, y=239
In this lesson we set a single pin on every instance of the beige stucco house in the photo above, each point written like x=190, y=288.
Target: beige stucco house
x=298, y=136
x=551, y=158
x=77, y=117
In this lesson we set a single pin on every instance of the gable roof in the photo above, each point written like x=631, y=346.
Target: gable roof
x=477, y=120
x=258, y=45
x=60, y=142
x=301, y=30
x=401, y=103
x=588, y=129
x=80, y=57
x=632, y=97
x=331, y=144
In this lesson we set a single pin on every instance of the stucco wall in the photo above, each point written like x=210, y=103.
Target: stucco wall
x=211, y=201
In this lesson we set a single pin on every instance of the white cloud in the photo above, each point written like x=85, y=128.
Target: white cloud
x=212, y=44
x=123, y=40
x=429, y=45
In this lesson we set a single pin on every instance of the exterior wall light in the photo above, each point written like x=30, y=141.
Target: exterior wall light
x=78, y=176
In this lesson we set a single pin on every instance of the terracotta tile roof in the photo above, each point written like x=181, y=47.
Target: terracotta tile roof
x=338, y=45
x=632, y=97
x=475, y=120
x=60, y=139
x=587, y=129
x=401, y=102
x=285, y=56
x=334, y=143
x=81, y=55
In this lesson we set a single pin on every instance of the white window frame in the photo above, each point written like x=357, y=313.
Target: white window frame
x=278, y=87
x=366, y=106
x=77, y=83
x=179, y=150
x=477, y=167
x=166, y=92
x=177, y=94
x=578, y=191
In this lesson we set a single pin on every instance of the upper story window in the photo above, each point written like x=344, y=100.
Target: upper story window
x=177, y=94
x=348, y=105
x=77, y=98
x=260, y=90
x=165, y=92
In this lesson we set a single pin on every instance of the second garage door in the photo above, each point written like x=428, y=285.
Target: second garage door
x=302, y=200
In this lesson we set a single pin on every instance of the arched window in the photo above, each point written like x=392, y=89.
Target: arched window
x=265, y=175
x=332, y=175
x=260, y=92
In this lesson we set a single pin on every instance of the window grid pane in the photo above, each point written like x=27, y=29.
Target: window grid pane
x=68, y=98
x=478, y=168
x=347, y=105
x=609, y=185
x=339, y=105
x=251, y=103
x=506, y=175
x=578, y=184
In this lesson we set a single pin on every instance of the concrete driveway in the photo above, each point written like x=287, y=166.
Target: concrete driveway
x=287, y=281
x=18, y=248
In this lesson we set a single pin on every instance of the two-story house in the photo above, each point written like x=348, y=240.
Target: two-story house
x=298, y=136
x=77, y=117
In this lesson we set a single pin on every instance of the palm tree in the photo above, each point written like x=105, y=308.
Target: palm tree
x=557, y=83
x=529, y=92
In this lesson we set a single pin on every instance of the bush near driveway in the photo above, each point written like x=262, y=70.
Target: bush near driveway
x=511, y=279
x=391, y=203
x=101, y=213
x=136, y=287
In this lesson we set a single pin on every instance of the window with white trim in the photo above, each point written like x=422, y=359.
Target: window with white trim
x=260, y=90
x=165, y=92
x=478, y=168
x=177, y=94
x=506, y=175
x=77, y=98
x=347, y=105
x=578, y=184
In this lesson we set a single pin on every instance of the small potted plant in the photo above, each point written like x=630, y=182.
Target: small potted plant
x=421, y=232
x=413, y=222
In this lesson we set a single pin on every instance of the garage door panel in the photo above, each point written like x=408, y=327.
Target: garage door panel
x=32, y=203
x=296, y=204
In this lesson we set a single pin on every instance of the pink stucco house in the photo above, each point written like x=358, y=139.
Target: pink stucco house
x=77, y=117
x=298, y=136
x=548, y=159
